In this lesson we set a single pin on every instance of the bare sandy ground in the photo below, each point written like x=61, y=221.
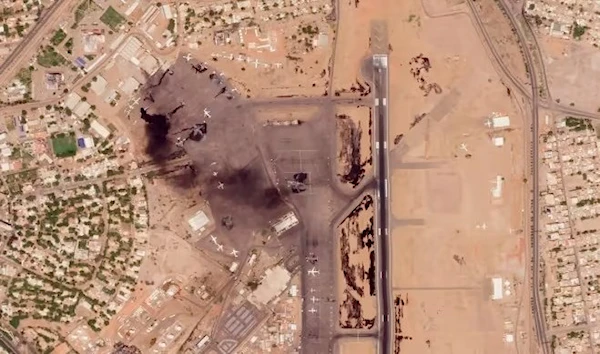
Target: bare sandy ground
x=353, y=40
x=301, y=113
x=353, y=345
x=573, y=71
x=450, y=234
x=451, y=321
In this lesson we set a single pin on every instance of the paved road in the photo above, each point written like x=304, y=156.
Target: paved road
x=537, y=308
x=380, y=79
x=32, y=41
x=137, y=172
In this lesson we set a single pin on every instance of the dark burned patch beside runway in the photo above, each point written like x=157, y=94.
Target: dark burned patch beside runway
x=227, y=166
x=359, y=280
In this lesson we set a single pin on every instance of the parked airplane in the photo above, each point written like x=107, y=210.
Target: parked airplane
x=314, y=299
x=188, y=57
x=313, y=272
x=220, y=186
x=219, y=248
x=312, y=310
x=234, y=253
x=215, y=173
x=206, y=113
x=213, y=239
x=199, y=68
x=463, y=146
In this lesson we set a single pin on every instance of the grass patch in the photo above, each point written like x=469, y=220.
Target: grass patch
x=64, y=145
x=58, y=37
x=171, y=26
x=578, y=124
x=49, y=57
x=578, y=30
x=69, y=43
x=112, y=18
x=24, y=75
x=83, y=8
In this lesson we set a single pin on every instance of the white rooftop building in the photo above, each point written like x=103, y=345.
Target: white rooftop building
x=501, y=122
x=129, y=85
x=497, y=189
x=274, y=283
x=199, y=221
x=99, y=129
x=498, y=141
x=497, y=292
x=82, y=109
x=285, y=223
x=72, y=100
x=167, y=11
x=99, y=85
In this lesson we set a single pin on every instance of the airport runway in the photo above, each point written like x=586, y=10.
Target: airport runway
x=380, y=79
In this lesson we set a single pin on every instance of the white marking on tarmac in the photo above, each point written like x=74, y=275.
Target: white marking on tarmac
x=386, y=188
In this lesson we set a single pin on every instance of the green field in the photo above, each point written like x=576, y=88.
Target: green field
x=58, y=37
x=24, y=75
x=64, y=145
x=49, y=57
x=112, y=18
x=83, y=8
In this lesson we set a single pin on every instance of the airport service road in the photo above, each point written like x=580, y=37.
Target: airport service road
x=380, y=79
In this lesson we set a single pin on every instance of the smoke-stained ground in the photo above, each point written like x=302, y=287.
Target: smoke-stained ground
x=226, y=161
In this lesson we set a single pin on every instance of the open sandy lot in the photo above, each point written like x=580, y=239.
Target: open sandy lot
x=431, y=323
x=353, y=41
x=353, y=345
x=444, y=172
x=573, y=71
x=356, y=283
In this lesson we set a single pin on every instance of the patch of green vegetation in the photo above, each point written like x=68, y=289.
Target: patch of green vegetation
x=24, y=75
x=69, y=45
x=171, y=25
x=90, y=57
x=83, y=8
x=578, y=30
x=64, y=145
x=15, y=321
x=49, y=57
x=578, y=124
x=112, y=18
x=58, y=37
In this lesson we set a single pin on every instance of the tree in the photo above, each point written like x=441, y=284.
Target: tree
x=578, y=30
